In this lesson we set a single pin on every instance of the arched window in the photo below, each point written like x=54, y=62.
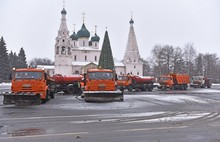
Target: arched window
x=63, y=40
x=134, y=67
x=83, y=43
x=75, y=57
x=63, y=50
x=95, y=44
x=57, y=51
x=85, y=58
x=137, y=73
x=95, y=58
x=69, y=51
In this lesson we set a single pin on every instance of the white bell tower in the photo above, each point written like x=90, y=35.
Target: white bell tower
x=132, y=62
x=63, y=57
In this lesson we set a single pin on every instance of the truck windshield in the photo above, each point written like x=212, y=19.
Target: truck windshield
x=28, y=75
x=164, y=78
x=100, y=75
x=122, y=77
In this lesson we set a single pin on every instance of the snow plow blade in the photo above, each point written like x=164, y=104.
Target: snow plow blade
x=22, y=99
x=103, y=96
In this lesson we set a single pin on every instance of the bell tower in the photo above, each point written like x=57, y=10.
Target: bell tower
x=132, y=62
x=63, y=64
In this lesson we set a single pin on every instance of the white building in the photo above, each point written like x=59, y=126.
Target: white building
x=132, y=62
x=76, y=53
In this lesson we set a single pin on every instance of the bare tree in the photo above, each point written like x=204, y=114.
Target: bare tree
x=40, y=61
x=157, y=58
x=189, y=57
x=167, y=57
x=178, y=62
x=199, y=64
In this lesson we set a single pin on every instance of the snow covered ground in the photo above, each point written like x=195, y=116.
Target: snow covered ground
x=5, y=84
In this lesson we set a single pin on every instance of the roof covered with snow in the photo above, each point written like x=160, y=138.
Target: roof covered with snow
x=47, y=67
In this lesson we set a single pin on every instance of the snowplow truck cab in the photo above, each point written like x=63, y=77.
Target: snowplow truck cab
x=125, y=82
x=29, y=86
x=101, y=86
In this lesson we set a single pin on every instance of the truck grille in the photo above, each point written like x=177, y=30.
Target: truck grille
x=27, y=88
x=101, y=88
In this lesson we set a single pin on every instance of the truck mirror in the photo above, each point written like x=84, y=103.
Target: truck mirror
x=45, y=76
x=116, y=77
x=84, y=81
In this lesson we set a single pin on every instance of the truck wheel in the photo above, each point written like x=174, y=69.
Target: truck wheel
x=130, y=88
x=150, y=89
x=71, y=89
x=65, y=92
x=121, y=89
x=52, y=95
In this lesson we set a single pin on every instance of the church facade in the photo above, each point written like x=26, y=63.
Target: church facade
x=79, y=51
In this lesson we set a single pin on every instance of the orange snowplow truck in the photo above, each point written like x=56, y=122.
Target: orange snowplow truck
x=29, y=86
x=174, y=81
x=100, y=86
x=135, y=82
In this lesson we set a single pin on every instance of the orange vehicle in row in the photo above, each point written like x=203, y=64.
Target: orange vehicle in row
x=174, y=81
x=68, y=84
x=100, y=85
x=30, y=86
x=134, y=82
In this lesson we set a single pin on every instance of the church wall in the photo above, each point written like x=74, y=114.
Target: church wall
x=120, y=70
x=135, y=69
x=85, y=55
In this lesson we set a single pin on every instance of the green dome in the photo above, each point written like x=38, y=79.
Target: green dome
x=74, y=36
x=83, y=32
x=63, y=11
x=95, y=38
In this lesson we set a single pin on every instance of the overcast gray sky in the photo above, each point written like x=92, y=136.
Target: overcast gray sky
x=33, y=24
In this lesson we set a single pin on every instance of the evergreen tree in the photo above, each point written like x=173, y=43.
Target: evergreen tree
x=4, y=62
x=22, y=58
x=16, y=61
x=106, y=59
x=11, y=61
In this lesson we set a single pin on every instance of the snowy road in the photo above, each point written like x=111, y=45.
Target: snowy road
x=163, y=116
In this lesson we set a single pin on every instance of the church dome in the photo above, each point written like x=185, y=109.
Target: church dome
x=95, y=38
x=74, y=36
x=131, y=21
x=63, y=11
x=83, y=32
